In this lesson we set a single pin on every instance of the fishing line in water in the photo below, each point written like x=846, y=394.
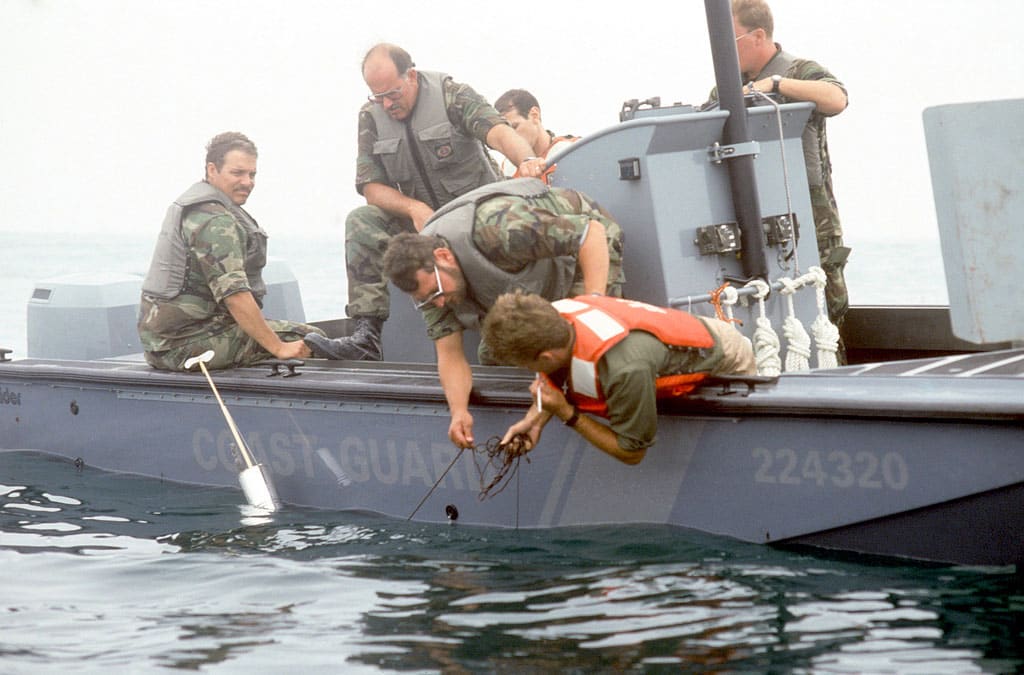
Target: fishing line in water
x=436, y=483
x=508, y=454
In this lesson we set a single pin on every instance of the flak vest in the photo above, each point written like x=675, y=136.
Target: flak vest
x=425, y=155
x=168, y=269
x=551, y=278
x=780, y=65
x=602, y=322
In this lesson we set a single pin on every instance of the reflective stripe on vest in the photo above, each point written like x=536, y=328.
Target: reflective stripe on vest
x=602, y=322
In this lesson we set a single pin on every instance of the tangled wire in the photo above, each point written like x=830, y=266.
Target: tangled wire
x=503, y=459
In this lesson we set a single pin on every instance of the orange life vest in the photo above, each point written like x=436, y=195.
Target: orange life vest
x=602, y=322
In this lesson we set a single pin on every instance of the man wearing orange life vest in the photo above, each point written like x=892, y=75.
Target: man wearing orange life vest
x=522, y=111
x=614, y=358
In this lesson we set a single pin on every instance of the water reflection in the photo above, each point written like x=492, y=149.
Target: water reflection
x=129, y=572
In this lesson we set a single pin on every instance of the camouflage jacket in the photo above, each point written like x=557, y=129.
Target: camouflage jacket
x=512, y=232
x=223, y=254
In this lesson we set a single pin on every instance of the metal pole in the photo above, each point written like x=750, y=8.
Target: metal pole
x=742, y=177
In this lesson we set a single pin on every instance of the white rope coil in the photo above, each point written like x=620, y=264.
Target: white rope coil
x=766, y=343
x=798, y=342
x=766, y=340
x=826, y=335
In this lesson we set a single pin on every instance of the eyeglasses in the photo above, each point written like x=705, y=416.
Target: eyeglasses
x=740, y=37
x=391, y=94
x=433, y=296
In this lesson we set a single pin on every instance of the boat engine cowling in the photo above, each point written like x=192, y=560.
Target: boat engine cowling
x=93, y=315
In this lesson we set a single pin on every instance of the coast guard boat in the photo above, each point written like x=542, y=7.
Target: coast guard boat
x=915, y=450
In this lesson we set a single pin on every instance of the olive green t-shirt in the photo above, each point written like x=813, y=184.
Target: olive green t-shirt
x=627, y=373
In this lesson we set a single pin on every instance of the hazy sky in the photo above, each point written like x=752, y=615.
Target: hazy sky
x=107, y=105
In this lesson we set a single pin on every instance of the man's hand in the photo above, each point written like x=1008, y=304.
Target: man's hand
x=528, y=425
x=397, y=204
x=296, y=349
x=244, y=310
x=552, y=399
x=460, y=431
x=532, y=167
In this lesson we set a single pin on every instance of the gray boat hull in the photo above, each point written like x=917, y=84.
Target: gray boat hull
x=858, y=458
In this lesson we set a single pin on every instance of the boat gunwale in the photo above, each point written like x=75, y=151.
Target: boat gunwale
x=837, y=393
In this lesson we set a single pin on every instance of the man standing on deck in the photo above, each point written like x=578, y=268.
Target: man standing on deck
x=423, y=140
x=769, y=69
x=514, y=234
x=204, y=288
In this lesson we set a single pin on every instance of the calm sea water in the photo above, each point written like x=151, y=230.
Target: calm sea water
x=107, y=573
x=111, y=573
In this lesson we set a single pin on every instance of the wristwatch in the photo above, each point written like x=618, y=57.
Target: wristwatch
x=776, y=79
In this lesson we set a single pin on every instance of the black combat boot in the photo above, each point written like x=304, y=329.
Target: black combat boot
x=362, y=345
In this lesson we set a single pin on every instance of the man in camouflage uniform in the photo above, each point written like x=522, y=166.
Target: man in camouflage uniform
x=772, y=70
x=518, y=234
x=204, y=288
x=422, y=139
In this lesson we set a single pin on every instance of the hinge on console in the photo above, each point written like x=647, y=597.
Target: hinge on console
x=717, y=152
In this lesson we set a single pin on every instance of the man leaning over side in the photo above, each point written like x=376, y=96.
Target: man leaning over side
x=423, y=141
x=514, y=234
x=614, y=358
x=204, y=289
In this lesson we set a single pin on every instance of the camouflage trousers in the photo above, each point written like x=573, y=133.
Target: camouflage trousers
x=832, y=254
x=232, y=348
x=368, y=230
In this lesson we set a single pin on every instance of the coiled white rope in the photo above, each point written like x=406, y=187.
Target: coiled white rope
x=766, y=340
x=826, y=335
x=798, y=342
